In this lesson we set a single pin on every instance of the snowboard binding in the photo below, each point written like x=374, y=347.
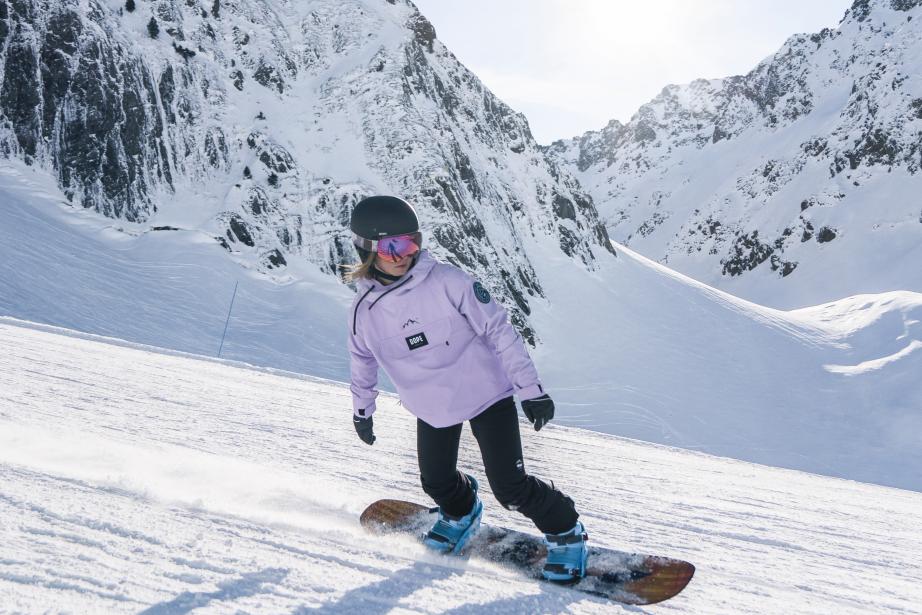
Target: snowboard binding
x=451, y=534
x=567, y=555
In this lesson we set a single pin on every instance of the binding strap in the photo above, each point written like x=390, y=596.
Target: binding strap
x=562, y=569
x=438, y=537
x=567, y=539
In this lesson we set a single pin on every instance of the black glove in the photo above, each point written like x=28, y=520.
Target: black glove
x=365, y=428
x=539, y=410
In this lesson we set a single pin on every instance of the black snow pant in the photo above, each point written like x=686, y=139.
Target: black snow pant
x=497, y=432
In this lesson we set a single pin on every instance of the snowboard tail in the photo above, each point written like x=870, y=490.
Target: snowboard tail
x=629, y=578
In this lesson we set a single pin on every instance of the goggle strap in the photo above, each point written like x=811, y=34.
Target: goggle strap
x=366, y=244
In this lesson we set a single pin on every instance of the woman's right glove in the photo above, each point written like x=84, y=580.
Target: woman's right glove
x=364, y=426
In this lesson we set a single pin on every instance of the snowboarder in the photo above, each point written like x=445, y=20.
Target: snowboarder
x=451, y=352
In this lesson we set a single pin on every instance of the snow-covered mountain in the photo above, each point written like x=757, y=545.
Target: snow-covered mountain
x=633, y=349
x=261, y=122
x=146, y=482
x=796, y=184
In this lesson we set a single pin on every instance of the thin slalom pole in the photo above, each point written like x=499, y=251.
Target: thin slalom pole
x=223, y=335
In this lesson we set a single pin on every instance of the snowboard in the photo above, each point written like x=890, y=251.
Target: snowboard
x=629, y=578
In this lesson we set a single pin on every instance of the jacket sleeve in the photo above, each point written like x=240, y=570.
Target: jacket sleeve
x=490, y=320
x=363, y=368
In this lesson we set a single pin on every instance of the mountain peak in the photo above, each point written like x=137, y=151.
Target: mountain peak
x=861, y=10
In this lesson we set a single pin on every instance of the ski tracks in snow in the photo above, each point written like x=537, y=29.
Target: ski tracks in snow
x=145, y=482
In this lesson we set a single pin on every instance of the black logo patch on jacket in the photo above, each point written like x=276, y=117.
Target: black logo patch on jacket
x=417, y=341
x=482, y=294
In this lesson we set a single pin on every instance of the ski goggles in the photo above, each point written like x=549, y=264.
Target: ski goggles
x=391, y=249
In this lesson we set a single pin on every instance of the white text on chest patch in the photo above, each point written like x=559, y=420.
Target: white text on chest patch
x=417, y=341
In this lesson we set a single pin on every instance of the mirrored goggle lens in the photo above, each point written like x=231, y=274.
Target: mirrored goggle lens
x=400, y=246
x=391, y=248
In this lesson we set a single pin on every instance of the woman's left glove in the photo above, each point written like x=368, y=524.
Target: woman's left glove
x=365, y=428
x=539, y=410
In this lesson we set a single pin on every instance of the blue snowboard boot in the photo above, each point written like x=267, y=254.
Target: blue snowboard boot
x=567, y=554
x=450, y=534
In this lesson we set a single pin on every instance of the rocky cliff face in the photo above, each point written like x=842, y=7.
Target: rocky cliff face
x=78, y=100
x=805, y=169
x=261, y=122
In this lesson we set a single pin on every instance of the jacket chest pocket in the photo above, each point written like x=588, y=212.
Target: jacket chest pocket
x=418, y=341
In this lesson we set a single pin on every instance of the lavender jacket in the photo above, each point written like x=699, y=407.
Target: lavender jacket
x=447, y=346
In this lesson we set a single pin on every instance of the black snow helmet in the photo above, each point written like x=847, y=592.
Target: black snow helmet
x=383, y=216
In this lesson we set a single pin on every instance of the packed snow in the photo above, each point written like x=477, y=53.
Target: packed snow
x=141, y=481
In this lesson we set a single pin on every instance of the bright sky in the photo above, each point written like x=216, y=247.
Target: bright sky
x=573, y=65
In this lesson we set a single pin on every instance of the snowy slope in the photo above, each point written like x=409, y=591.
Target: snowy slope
x=647, y=353
x=141, y=482
x=171, y=289
x=632, y=349
x=795, y=184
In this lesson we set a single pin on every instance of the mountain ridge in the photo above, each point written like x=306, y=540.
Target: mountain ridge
x=808, y=162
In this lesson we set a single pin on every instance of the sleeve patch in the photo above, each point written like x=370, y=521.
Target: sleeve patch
x=482, y=294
